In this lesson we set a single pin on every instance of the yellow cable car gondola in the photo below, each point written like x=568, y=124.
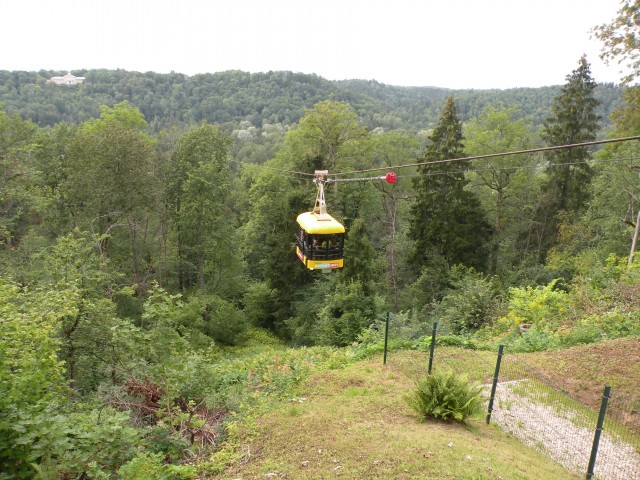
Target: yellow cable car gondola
x=320, y=240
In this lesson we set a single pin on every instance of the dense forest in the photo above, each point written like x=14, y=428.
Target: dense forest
x=229, y=98
x=148, y=227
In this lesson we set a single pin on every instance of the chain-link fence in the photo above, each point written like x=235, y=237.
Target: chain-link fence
x=546, y=417
x=602, y=444
x=411, y=351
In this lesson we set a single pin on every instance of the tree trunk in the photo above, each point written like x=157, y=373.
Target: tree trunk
x=635, y=240
x=201, y=282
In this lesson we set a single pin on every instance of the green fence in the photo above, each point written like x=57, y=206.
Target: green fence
x=601, y=443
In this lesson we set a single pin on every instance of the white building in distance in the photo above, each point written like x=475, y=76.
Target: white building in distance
x=68, y=79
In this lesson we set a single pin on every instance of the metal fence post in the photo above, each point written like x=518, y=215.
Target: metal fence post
x=433, y=346
x=495, y=383
x=596, y=438
x=386, y=339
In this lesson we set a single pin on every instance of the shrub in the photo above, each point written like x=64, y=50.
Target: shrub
x=607, y=325
x=82, y=444
x=424, y=343
x=345, y=314
x=445, y=395
x=543, y=306
x=468, y=305
x=535, y=339
x=406, y=330
x=222, y=320
x=150, y=466
x=260, y=305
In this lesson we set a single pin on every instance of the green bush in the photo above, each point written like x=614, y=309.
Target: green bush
x=544, y=305
x=222, y=320
x=405, y=329
x=582, y=334
x=446, y=396
x=77, y=444
x=535, y=339
x=605, y=326
x=469, y=303
x=424, y=343
x=345, y=314
x=150, y=466
x=260, y=305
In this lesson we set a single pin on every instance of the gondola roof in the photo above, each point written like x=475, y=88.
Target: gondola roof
x=319, y=223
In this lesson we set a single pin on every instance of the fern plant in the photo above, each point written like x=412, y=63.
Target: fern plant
x=445, y=395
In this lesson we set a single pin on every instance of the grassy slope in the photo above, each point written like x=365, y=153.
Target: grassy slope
x=354, y=424
x=583, y=371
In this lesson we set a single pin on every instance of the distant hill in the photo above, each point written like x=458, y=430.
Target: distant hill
x=231, y=97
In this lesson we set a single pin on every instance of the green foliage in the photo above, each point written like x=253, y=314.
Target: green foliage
x=31, y=376
x=535, y=339
x=447, y=220
x=606, y=326
x=574, y=120
x=508, y=193
x=94, y=443
x=150, y=466
x=424, y=342
x=446, y=396
x=259, y=338
x=568, y=177
x=468, y=304
x=163, y=439
x=346, y=312
x=263, y=99
x=428, y=287
x=259, y=305
x=544, y=307
x=36, y=424
x=360, y=253
x=222, y=321
x=111, y=186
x=199, y=181
x=621, y=39
x=21, y=196
x=616, y=185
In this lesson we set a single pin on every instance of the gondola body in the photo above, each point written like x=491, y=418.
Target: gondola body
x=320, y=241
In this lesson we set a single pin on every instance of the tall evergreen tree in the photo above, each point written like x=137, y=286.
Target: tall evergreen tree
x=574, y=120
x=448, y=221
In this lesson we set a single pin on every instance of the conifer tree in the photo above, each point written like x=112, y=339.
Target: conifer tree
x=574, y=120
x=448, y=222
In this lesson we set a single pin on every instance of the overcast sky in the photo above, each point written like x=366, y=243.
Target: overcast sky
x=443, y=43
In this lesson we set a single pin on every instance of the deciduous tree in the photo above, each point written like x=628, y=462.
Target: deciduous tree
x=196, y=195
x=507, y=185
x=621, y=39
x=110, y=186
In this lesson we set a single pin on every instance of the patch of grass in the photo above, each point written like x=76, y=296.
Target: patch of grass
x=584, y=370
x=354, y=424
x=475, y=364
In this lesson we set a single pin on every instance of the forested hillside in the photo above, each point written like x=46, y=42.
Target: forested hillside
x=228, y=98
x=149, y=280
